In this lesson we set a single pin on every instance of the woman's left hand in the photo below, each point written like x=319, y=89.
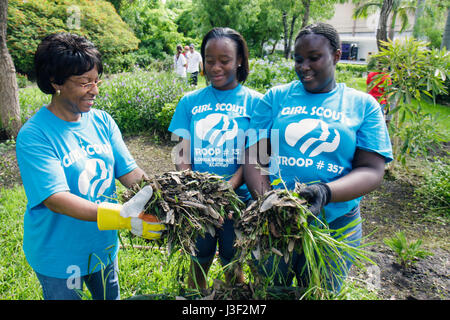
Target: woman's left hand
x=318, y=196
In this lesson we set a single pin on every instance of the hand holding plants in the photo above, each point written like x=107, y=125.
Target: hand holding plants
x=318, y=195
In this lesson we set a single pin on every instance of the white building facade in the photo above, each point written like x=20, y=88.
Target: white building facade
x=360, y=33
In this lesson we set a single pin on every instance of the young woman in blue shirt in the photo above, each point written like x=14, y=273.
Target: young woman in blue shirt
x=212, y=124
x=321, y=133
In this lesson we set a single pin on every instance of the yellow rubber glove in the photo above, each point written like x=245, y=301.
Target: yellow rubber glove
x=130, y=216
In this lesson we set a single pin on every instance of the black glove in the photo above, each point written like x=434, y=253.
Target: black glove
x=318, y=195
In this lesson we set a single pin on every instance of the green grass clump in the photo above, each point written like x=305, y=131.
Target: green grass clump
x=17, y=279
x=408, y=252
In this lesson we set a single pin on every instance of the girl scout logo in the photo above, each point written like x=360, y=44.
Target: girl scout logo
x=216, y=128
x=94, y=179
x=306, y=129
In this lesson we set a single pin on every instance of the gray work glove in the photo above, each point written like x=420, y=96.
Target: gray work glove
x=318, y=196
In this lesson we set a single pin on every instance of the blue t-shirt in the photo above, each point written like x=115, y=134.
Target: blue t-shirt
x=215, y=122
x=314, y=136
x=83, y=158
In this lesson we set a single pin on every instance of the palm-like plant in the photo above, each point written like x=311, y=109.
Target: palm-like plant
x=407, y=252
x=398, y=9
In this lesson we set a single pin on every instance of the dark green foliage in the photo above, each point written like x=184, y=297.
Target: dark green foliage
x=30, y=21
x=155, y=27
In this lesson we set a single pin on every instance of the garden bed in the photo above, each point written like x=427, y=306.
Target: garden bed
x=392, y=207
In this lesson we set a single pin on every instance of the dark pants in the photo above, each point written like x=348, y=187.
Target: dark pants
x=103, y=285
x=224, y=238
x=194, y=78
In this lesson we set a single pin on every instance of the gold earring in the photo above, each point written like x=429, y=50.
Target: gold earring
x=58, y=92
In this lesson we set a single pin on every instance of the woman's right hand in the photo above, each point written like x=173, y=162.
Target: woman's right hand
x=131, y=216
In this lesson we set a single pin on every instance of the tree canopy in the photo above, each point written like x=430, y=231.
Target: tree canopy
x=30, y=21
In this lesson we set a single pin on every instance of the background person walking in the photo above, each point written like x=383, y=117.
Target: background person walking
x=180, y=62
x=195, y=64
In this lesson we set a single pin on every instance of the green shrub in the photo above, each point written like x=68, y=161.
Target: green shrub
x=357, y=70
x=415, y=71
x=416, y=74
x=140, y=59
x=30, y=21
x=265, y=73
x=164, y=117
x=22, y=80
x=134, y=100
x=434, y=191
x=155, y=27
x=31, y=99
x=419, y=135
x=119, y=63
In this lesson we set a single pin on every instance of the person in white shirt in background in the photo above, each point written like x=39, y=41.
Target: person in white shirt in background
x=195, y=64
x=180, y=62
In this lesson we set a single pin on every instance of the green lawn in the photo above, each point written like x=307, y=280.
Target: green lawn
x=443, y=113
x=143, y=269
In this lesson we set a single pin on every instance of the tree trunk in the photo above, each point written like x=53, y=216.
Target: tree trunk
x=391, y=33
x=307, y=6
x=9, y=93
x=261, y=44
x=291, y=35
x=285, y=38
x=288, y=33
x=418, y=14
x=274, y=47
x=446, y=36
x=382, y=24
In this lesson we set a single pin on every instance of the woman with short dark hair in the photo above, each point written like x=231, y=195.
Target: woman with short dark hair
x=61, y=56
x=69, y=155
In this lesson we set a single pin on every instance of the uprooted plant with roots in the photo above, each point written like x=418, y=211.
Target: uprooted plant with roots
x=278, y=224
x=189, y=203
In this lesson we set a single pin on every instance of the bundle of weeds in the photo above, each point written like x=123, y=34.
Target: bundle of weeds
x=189, y=203
x=279, y=224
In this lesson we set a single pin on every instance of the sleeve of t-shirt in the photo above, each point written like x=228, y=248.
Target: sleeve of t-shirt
x=373, y=135
x=123, y=160
x=40, y=168
x=181, y=120
x=261, y=119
